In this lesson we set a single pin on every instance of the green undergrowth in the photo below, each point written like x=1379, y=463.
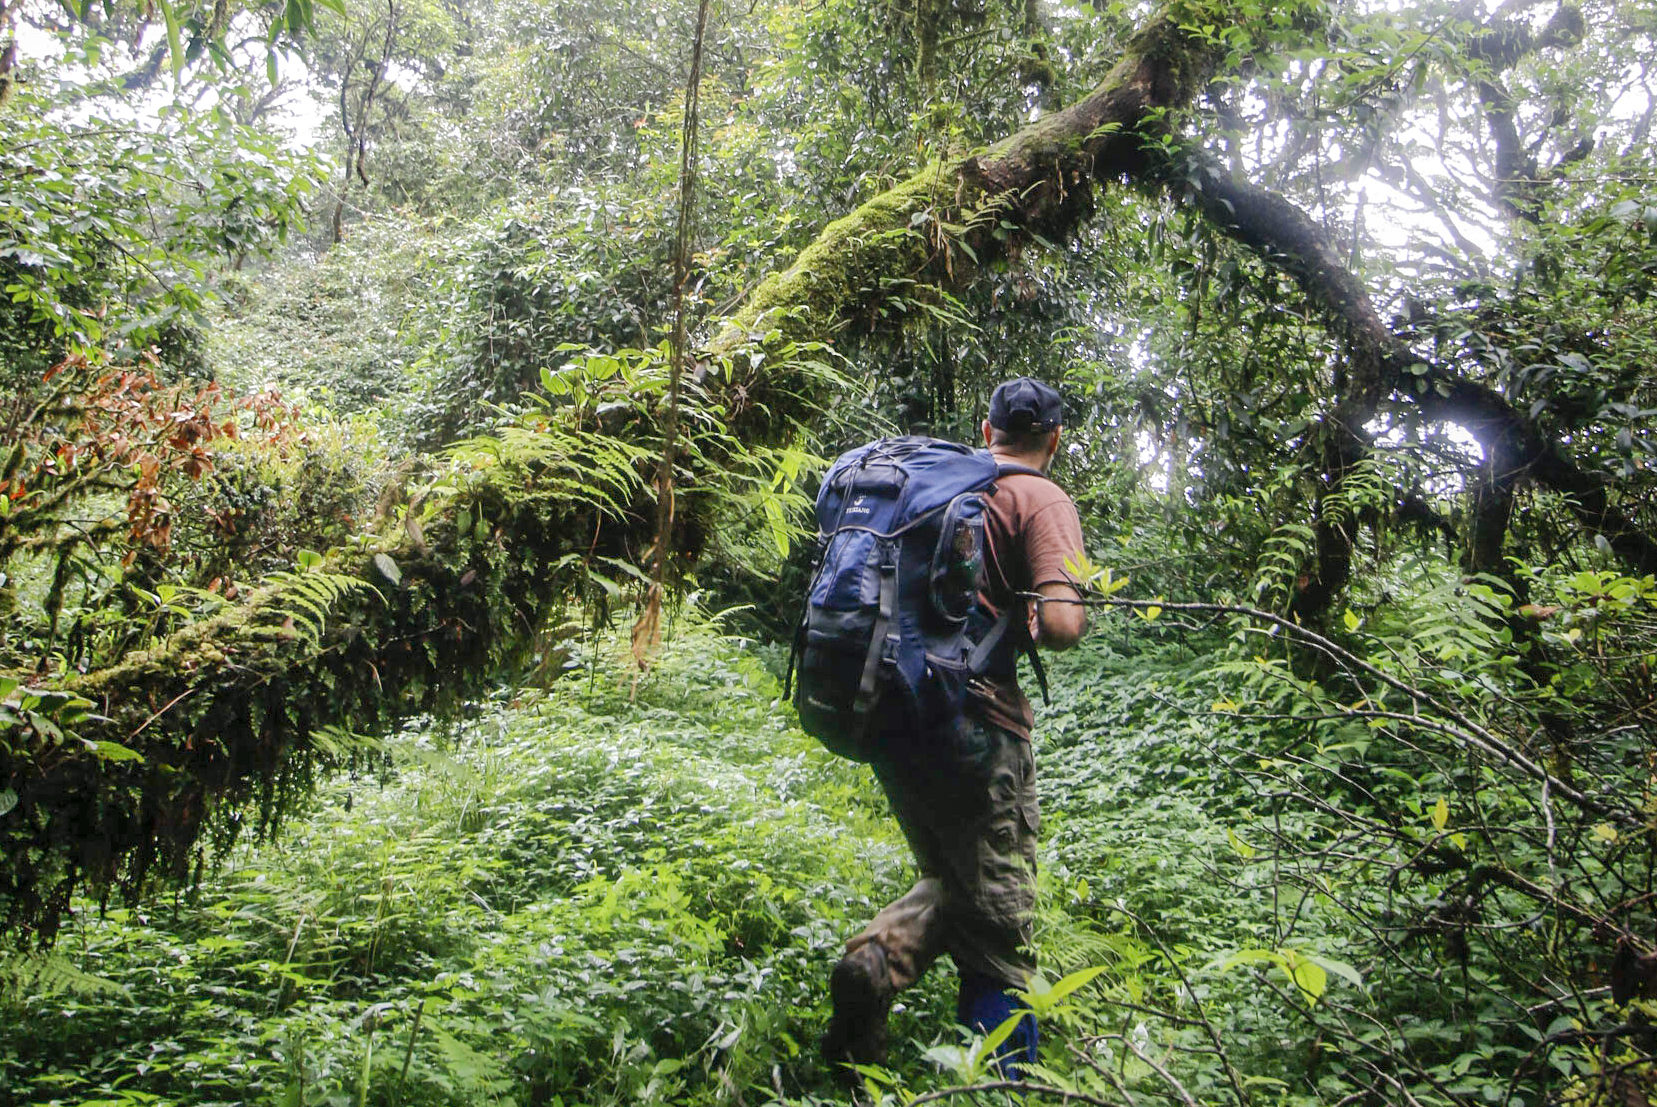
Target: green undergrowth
x=599, y=893
x=626, y=889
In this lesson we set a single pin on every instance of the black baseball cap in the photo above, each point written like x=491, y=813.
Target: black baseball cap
x=1025, y=404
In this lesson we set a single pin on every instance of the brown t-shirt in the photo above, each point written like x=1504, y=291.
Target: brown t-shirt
x=1030, y=530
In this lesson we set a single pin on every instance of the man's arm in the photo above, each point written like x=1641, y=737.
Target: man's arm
x=1059, y=624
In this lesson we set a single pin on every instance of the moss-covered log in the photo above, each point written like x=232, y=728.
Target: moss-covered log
x=197, y=735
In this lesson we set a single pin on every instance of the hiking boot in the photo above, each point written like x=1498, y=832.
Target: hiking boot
x=862, y=993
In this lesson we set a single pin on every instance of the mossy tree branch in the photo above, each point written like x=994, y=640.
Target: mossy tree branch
x=1038, y=179
x=1380, y=362
x=416, y=615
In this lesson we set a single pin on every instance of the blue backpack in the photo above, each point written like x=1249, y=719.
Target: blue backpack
x=892, y=629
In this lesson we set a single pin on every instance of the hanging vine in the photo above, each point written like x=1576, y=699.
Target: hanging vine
x=647, y=631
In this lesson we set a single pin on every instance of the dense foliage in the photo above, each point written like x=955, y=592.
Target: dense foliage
x=328, y=489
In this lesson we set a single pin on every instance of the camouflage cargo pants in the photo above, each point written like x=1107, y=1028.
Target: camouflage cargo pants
x=968, y=808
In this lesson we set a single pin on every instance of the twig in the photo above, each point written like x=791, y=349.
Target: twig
x=646, y=632
x=169, y=706
x=1167, y=1076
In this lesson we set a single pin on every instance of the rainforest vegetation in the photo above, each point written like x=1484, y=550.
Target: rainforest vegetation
x=410, y=413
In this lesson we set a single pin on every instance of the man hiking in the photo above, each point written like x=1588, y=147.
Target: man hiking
x=967, y=801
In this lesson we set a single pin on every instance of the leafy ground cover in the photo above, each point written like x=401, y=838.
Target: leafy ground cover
x=605, y=892
x=626, y=888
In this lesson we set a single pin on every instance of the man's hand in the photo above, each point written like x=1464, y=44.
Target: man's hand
x=1056, y=621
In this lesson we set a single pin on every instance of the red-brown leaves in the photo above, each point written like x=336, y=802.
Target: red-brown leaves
x=125, y=429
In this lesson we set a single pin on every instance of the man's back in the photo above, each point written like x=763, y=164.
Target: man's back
x=1031, y=530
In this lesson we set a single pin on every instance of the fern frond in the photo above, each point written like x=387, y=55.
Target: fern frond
x=1281, y=557
x=299, y=602
x=27, y=973
x=575, y=466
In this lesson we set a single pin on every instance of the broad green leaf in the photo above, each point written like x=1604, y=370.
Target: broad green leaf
x=1251, y=957
x=114, y=751
x=1339, y=968
x=1306, y=974
x=1441, y=813
x=993, y=1040
x=1042, y=997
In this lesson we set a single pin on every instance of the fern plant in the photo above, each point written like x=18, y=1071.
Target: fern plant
x=298, y=603
x=30, y=973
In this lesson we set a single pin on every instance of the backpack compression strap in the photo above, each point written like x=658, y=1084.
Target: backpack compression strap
x=877, y=642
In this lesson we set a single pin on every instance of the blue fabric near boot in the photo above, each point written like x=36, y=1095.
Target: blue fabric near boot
x=983, y=1005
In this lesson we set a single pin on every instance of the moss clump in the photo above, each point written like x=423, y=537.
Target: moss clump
x=842, y=270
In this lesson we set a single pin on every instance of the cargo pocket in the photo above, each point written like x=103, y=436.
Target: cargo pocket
x=1029, y=800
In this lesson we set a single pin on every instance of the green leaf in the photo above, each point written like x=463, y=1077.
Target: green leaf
x=1339, y=968
x=1441, y=813
x=777, y=524
x=114, y=751
x=1306, y=974
x=993, y=1040
x=1070, y=983
x=388, y=569
x=8, y=800
x=1252, y=957
x=1352, y=621
x=173, y=48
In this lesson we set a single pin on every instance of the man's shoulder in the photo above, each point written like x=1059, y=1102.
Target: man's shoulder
x=1027, y=495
